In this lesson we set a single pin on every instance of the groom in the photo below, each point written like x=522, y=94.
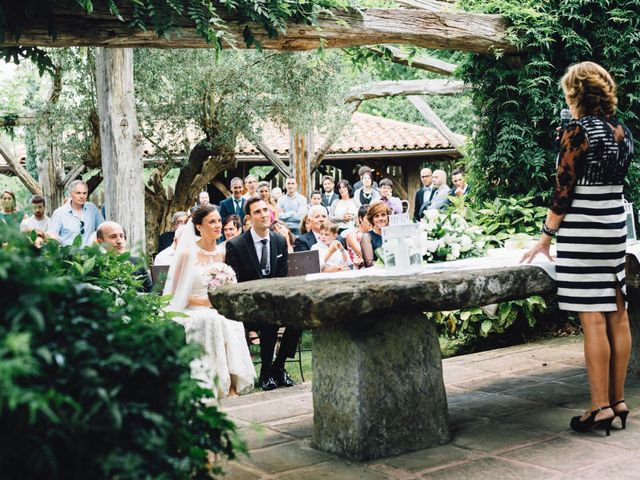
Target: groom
x=260, y=253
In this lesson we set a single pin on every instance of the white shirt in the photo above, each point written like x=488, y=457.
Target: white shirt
x=165, y=257
x=257, y=243
x=31, y=223
x=335, y=260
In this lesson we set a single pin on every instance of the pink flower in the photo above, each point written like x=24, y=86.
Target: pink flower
x=217, y=274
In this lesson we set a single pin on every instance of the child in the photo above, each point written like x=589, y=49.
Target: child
x=333, y=255
x=315, y=198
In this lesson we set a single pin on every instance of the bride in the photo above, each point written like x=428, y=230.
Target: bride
x=225, y=366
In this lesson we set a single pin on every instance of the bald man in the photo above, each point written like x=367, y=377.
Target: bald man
x=424, y=194
x=113, y=237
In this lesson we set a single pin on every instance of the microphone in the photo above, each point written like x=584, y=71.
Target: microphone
x=565, y=118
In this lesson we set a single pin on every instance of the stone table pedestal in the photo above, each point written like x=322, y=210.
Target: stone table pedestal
x=378, y=389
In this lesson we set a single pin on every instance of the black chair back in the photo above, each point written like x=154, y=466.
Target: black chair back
x=159, y=276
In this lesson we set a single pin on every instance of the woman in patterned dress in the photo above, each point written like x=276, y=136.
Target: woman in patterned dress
x=587, y=214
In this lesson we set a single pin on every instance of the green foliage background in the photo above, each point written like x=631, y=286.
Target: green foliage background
x=517, y=98
x=94, y=377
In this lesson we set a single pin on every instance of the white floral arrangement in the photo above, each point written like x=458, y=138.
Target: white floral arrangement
x=218, y=274
x=447, y=236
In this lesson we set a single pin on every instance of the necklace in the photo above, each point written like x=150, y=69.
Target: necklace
x=207, y=253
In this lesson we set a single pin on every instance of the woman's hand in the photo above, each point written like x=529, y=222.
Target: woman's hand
x=541, y=247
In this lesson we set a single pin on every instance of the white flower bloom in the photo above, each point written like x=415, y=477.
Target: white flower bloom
x=455, y=250
x=432, y=214
x=465, y=243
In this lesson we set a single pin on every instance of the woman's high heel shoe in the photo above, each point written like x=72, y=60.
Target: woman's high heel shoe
x=590, y=422
x=623, y=415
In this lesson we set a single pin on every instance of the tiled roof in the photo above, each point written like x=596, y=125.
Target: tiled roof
x=365, y=133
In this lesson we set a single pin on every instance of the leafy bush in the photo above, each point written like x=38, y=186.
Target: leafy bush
x=517, y=97
x=94, y=377
x=502, y=218
x=465, y=327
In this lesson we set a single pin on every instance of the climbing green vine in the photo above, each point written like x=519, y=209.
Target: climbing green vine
x=517, y=97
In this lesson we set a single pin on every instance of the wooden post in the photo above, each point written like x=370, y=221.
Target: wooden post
x=301, y=151
x=121, y=143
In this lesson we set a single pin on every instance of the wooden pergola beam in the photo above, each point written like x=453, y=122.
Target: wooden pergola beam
x=422, y=62
x=427, y=112
x=451, y=30
x=393, y=88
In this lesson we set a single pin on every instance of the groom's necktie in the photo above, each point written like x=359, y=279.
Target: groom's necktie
x=264, y=267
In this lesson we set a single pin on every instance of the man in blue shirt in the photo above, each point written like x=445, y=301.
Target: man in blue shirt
x=75, y=217
x=293, y=206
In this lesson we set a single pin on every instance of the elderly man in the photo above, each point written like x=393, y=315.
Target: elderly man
x=113, y=237
x=38, y=221
x=75, y=217
x=250, y=183
x=166, y=238
x=317, y=215
x=293, y=206
x=425, y=194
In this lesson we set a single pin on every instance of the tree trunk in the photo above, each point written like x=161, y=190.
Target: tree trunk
x=449, y=30
x=50, y=169
x=203, y=165
x=300, y=154
x=120, y=143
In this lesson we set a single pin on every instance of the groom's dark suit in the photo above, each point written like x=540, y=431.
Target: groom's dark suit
x=242, y=257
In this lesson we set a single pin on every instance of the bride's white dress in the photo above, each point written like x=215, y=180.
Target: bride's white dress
x=225, y=352
x=223, y=340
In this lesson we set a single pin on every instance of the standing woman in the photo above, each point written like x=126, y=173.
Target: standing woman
x=588, y=216
x=344, y=210
x=8, y=211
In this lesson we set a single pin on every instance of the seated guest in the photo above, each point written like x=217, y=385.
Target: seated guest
x=282, y=229
x=354, y=237
x=304, y=225
x=333, y=255
x=231, y=228
x=8, y=211
x=166, y=239
x=112, y=236
x=344, y=210
x=276, y=193
x=38, y=221
x=317, y=214
x=328, y=196
x=264, y=192
x=386, y=196
x=378, y=217
x=366, y=195
x=203, y=199
x=234, y=205
x=460, y=187
x=165, y=257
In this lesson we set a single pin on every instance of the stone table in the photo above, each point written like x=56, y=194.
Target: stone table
x=377, y=369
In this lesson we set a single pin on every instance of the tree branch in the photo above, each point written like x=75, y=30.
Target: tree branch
x=269, y=155
x=422, y=62
x=330, y=140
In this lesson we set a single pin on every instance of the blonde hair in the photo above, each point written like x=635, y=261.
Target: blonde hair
x=590, y=89
x=329, y=226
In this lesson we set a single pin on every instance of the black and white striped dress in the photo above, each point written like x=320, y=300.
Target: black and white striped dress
x=594, y=159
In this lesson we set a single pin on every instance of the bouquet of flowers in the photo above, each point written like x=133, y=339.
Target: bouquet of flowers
x=218, y=273
x=447, y=236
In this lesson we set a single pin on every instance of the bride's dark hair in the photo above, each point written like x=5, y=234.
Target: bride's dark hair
x=201, y=212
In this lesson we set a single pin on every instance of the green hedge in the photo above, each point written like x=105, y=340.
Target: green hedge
x=518, y=99
x=94, y=377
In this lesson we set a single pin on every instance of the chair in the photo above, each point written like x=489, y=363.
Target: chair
x=159, y=276
x=300, y=263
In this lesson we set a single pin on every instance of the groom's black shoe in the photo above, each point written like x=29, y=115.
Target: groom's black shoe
x=282, y=378
x=268, y=383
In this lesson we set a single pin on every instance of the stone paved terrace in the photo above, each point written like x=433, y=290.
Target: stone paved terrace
x=509, y=411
